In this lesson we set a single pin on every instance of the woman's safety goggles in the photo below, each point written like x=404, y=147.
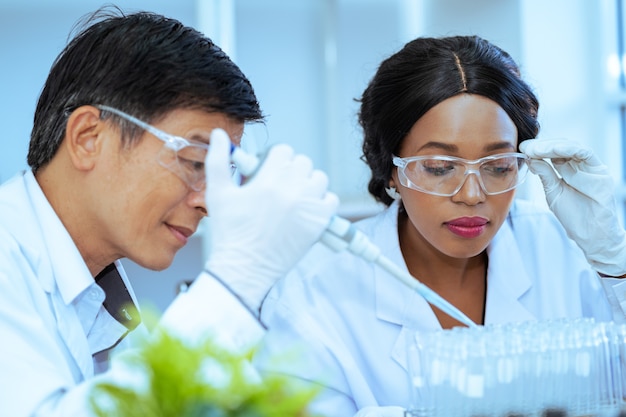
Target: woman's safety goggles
x=444, y=175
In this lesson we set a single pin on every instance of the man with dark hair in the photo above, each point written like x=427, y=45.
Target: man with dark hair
x=117, y=154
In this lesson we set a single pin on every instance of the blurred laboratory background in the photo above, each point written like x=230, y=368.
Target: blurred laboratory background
x=308, y=61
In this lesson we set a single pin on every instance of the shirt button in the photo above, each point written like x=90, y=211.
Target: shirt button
x=94, y=294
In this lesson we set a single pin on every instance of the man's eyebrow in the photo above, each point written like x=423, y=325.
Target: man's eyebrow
x=206, y=138
x=200, y=137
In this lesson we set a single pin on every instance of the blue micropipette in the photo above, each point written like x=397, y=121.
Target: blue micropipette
x=341, y=235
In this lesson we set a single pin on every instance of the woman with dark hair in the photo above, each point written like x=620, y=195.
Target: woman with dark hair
x=442, y=119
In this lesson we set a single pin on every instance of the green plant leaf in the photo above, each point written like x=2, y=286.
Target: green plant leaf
x=199, y=380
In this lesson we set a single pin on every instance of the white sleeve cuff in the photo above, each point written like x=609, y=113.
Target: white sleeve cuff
x=615, y=289
x=210, y=309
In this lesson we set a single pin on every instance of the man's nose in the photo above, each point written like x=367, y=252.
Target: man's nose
x=197, y=200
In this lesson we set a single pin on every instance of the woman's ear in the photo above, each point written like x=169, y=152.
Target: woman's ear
x=84, y=135
x=392, y=191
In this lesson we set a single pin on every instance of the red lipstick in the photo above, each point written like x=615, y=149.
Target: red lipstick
x=467, y=227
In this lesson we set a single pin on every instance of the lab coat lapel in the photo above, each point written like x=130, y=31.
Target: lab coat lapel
x=400, y=312
x=413, y=309
x=395, y=302
x=63, y=274
x=408, y=309
x=70, y=330
x=507, y=279
x=67, y=324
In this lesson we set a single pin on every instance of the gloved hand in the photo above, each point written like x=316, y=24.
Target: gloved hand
x=389, y=411
x=259, y=230
x=582, y=199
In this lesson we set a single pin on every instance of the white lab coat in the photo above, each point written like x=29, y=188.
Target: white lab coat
x=51, y=308
x=342, y=322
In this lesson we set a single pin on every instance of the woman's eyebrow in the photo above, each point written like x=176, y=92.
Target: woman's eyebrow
x=439, y=145
x=499, y=145
x=451, y=148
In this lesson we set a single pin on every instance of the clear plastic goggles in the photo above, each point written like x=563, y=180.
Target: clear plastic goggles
x=181, y=156
x=444, y=175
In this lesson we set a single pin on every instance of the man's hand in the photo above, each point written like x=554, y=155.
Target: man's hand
x=259, y=230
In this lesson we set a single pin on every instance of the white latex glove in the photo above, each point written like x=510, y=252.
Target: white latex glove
x=389, y=411
x=582, y=199
x=259, y=230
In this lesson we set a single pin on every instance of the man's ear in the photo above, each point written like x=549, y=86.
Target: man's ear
x=84, y=136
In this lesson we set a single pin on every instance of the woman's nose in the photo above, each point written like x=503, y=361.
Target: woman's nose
x=471, y=192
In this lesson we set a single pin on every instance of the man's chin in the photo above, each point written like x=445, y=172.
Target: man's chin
x=155, y=264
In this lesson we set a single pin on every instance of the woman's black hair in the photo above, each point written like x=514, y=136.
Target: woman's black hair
x=425, y=72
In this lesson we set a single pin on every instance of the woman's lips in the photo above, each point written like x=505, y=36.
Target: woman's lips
x=467, y=227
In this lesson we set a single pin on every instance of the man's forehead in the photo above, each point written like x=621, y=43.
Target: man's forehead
x=201, y=131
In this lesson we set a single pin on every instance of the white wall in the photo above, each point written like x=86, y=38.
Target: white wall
x=309, y=60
